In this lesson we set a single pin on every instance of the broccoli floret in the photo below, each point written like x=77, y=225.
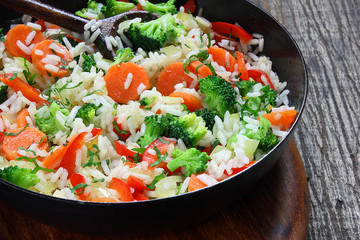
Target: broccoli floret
x=192, y=159
x=146, y=101
x=161, y=8
x=154, y=34
x=123, y=55
x=3, y=93
x=155, y=127
x=245, y=87
x=208, y=116
x=114, y=7
x=190, y=128
x=46, y=119
x=90, y=5
x=22, y=177
x=87, y=113
x=219, y=94
x=269, y=96
x=264, y=134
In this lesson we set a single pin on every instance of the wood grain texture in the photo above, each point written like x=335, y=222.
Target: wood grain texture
x=327, y=33
x=276, y=208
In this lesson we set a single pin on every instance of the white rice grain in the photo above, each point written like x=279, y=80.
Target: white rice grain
x=88, y=25
x=51, y=68
x=141, y=88
x=206, y=179
x=128, y=81
x=34, y=26
x=39, y=52
x=23, y=47
x=95, y=35
x=29, y=38
x=56, y=48
x=96, y=25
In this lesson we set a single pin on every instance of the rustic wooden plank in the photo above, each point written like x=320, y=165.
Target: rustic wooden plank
x=327, y=32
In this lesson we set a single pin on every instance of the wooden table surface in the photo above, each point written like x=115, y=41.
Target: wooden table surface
x=327, y=33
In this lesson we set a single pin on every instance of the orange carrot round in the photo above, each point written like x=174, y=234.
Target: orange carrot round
x=118, y=84
x=199, y=69
x=24, y=137
x=21, y=118
x=20, y=33
x=222, y=57
x=283, y=119
x=50, y=48
x=192, y=103
x=171, y=76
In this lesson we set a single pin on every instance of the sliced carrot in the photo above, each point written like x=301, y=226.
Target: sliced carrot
x=51, y=49
x=23, y=139
x=192, y=103
x=243, y=72
x=104, y=199
x=122, y=188
x=19, y=85
x=54, y=159
x=283, y=119
x=130, y=164
x=117, y=80
x=171, y=76
x=21, y=118
x=222, y=57
x=199, y=69
x=195, y=183
x=18, y=35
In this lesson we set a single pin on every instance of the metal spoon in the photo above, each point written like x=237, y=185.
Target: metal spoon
x=75, y=23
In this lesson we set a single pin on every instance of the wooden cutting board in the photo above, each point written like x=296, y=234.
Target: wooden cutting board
x=276, y=208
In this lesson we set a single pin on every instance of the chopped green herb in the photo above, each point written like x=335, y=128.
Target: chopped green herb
x=81, y=186
x=160, y=157
x=2, y=36
x=15, y=134
x=27, y=74
x=151, y=186
x=95, y=180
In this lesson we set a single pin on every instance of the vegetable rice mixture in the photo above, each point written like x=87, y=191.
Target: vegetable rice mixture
x=184, y=104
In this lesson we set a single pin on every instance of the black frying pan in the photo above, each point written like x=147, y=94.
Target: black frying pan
x=153, y=215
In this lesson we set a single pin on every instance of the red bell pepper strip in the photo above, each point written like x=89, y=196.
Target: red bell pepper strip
x=243, y=72
x=140, y=196
x=122, y=189
x=161, y=145
x=75, y=180
x=68, y=160
x=119, y=130
x=231, y=29
x=122, y=150
x=237, y=170
x=136, y=183
x=190, y=6
x=19, y=85
x=256, y=75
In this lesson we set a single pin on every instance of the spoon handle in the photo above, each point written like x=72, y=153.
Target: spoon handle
x=47, y=13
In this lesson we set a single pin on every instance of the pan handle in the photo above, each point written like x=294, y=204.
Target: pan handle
x=47, y=13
